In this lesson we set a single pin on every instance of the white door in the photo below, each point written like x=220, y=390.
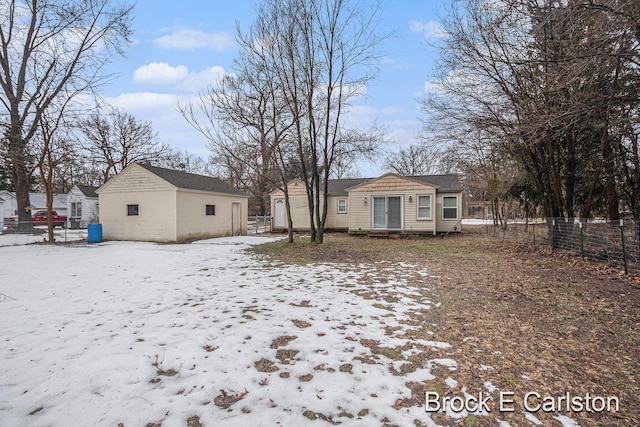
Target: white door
x=278, y=214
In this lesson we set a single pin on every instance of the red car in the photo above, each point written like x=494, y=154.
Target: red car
x=40, y=218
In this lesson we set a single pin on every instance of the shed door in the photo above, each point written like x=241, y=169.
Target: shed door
x=236, y=220
x=278, y=213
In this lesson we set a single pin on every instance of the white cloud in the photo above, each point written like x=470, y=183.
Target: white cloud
x=161, y=109
x=188, y=39
x=428, y=29
x=160, y=73
x=195, y=82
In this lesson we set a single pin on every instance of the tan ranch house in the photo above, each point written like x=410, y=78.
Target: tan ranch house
x=149, y=203
x=390, y=204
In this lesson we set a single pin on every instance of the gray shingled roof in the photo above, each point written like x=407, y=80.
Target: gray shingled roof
x=88, y=191
x=192, y=181
x=338, y=187
x=444, y=183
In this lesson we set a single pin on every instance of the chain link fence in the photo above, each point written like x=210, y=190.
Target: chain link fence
x=615, y=243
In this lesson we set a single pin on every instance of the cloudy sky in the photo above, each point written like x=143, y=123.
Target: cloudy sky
x=180, y=47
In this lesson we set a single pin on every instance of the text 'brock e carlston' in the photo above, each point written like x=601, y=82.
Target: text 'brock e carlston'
x=532, y=402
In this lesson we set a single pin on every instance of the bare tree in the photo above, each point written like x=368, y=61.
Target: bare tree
x=329, y=51
x=545, y=84
x=186, y=162
x=413, y=160
x=55, y=148
x=45, y=48
x=116, y=138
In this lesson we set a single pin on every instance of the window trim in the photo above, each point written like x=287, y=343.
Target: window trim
x=213, y=210
x=344, y=211
x=386, y=198
x=74, y=209
x=456, y=208
x=131, y=208
x=424, y=218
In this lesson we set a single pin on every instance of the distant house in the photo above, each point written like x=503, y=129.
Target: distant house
x=37, y=201
x=389, y=204
x=82, y=206
x=149, y=203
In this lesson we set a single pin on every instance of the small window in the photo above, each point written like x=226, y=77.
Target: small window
x=211, y=210
x=450, y=207
x=342, y=205
x=132, y=210
x=76, y=209
x=424, y=207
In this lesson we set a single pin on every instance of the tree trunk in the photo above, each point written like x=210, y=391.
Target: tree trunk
x=21, y=177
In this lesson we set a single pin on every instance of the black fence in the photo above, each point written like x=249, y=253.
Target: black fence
x=615, y=243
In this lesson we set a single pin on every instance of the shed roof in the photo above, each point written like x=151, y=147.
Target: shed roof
x=190, y=181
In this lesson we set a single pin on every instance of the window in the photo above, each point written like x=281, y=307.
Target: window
x=76, y=209
x=424, y=207
x=342, y=205
x=450, y=207
x=211, y=210
x=132, y=210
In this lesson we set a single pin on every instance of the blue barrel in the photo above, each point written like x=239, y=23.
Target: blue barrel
x=94, y=233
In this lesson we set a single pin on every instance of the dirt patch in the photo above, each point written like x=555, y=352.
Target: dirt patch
x=518, y=320
x=282, y=341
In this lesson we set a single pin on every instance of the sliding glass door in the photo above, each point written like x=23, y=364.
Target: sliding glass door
x=387, y=212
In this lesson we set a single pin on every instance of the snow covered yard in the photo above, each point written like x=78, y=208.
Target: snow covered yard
x=138, y=333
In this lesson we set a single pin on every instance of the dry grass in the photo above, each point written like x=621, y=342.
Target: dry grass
x=542, y=322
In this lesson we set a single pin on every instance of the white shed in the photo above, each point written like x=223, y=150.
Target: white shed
x=149, y=203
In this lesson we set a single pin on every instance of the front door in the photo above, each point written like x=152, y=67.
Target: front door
x=387, y=212
x=278, y=213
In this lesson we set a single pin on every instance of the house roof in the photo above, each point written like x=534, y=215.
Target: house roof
x=192, y=181
x=88, y=191
x=339, y=187
x=444, y=183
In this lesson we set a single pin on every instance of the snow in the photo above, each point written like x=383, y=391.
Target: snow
x=60, y=235
x=86, y=329
x=137, y=333
x=566, y=421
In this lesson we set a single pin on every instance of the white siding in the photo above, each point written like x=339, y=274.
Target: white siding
x=193, y=221
x=89, y=206
x=361, y=212
x=155, y=198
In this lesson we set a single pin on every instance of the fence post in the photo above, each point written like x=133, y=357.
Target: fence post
x=581, y=241
x=624, y=248
x=553, y=235
x=534, y=235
